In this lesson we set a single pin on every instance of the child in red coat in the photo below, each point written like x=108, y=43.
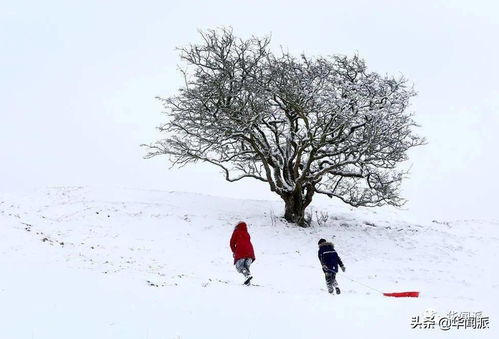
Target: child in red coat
x=242, y=250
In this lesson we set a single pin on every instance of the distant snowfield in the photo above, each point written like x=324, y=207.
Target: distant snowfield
x=122, y=263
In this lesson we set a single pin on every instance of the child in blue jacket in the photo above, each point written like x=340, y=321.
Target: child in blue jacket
x=330, y=260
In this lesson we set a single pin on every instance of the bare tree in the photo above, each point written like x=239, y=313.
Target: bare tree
x=305, y=126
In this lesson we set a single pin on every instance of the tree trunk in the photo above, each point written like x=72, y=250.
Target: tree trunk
x=294, y=210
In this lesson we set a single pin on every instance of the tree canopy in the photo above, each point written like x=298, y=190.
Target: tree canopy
x=304, y=125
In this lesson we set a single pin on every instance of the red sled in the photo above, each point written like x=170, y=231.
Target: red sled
x=402, y=294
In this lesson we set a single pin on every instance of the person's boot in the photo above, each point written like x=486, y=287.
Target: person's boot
x=247, y=282
x=338, y=291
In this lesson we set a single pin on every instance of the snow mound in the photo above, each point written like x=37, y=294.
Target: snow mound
x=78, y=262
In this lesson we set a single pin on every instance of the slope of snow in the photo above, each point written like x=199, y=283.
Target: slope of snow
x=92, y=263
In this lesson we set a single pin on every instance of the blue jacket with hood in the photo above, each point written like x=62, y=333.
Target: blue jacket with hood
x=330, y=260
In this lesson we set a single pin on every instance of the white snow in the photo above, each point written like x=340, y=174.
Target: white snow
x=120, y=263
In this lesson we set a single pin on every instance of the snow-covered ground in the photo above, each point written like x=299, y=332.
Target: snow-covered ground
x=122, y=263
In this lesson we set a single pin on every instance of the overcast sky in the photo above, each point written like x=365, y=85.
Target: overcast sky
x=78, y=81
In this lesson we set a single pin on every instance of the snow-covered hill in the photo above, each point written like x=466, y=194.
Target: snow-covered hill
x=93, y=263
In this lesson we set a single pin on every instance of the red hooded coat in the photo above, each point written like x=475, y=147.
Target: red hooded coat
x=240, y=243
